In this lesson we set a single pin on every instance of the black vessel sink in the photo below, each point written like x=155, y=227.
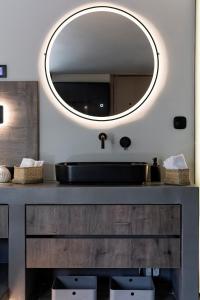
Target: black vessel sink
x=102, y=172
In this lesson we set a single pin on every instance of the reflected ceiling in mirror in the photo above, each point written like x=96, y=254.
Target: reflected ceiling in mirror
x=101, y=63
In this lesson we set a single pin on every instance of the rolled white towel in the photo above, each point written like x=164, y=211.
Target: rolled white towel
x=38, y=163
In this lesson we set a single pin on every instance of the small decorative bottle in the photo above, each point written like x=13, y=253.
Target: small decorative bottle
x=155, y=171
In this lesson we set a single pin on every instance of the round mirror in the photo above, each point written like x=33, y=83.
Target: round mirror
x=101, y=63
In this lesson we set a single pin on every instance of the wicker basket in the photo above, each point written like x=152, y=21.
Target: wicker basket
x=28, y=175
x=177, y=177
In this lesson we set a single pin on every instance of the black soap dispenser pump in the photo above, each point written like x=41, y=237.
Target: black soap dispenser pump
x=155, y=171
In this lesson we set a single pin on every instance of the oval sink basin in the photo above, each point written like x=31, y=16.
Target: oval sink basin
x=102, y=172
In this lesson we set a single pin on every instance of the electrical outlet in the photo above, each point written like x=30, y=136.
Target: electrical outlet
x=156, y=272
x=148, y=272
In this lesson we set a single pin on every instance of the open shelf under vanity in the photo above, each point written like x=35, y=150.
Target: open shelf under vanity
x=39, y=281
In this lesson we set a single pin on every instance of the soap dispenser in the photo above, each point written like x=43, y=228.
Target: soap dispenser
x=155, y=171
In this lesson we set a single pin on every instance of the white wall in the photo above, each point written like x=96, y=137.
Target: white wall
x=24, y=25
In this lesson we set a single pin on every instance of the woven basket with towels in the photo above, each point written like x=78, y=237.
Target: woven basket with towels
x=30, y=171
x=28, y=175
x=177, y=177
x=176, y=170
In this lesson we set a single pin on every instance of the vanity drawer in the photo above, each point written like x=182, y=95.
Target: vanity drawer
x=103, y=253
x=103, y=219
x=3, y=221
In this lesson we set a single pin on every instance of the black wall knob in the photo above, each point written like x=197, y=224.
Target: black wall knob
x=125, y=142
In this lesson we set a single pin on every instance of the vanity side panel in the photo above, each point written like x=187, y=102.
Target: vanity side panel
x=3, y=221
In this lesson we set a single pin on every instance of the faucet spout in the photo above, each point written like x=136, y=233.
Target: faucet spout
x=102, y=138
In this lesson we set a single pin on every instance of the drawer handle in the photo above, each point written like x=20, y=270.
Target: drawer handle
x=73, y=293
x=132, y=294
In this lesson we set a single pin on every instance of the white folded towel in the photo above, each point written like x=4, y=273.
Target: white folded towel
x=175, y=162
x=29, y=162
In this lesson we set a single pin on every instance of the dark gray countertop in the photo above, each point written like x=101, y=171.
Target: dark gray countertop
x=96, y=194
x=54, y=184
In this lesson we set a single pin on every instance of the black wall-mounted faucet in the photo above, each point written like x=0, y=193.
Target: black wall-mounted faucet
x=102, y=138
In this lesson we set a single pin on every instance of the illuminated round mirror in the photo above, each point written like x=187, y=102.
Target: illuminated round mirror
x=101, y=63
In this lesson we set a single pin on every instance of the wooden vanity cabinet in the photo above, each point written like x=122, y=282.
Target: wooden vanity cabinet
x=103, y=220
x=103, y=236
x=103, y=252
x=3, y=221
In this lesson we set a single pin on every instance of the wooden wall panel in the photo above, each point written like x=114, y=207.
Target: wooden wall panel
x=19, y=133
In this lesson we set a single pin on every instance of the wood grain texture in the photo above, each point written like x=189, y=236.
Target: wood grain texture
x=3, y=221
x=19, y=133
x=103, y=253
x=103, y=219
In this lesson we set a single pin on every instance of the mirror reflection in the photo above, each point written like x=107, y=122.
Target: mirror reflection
x=101, y=64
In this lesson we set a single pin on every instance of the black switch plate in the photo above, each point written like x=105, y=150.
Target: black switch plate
x=180, y=122
x=3, y=71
